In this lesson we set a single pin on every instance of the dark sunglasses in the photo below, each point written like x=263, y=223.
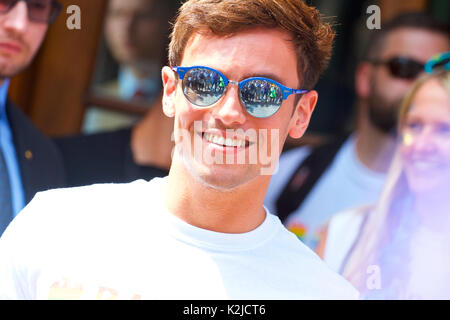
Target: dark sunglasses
x=261, y=97
x=402, y=67
x=43, y=11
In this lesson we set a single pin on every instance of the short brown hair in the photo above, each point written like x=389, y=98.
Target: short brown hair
x=312, y=38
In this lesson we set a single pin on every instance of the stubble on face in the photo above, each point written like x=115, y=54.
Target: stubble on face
x=231, y=56
x=382, y=112
x=13, y=63
x=228, y=171
x=18, y=45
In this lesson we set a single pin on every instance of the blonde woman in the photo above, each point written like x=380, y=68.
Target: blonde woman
x=399, y=248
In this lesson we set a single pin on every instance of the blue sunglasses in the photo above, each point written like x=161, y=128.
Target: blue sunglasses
x=261, y=97
x=441, y=60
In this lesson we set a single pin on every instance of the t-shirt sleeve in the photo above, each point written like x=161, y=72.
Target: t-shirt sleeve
x=10, y=287
x=14, y=253
x=342, y=233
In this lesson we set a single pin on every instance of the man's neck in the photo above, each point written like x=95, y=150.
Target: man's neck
x=235, y=211
x=151, y=138
x=374, y=148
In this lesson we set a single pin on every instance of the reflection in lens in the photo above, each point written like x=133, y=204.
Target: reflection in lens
x=261, y=98
x=203, y=87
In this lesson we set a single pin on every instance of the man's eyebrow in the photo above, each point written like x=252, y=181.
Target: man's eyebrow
x=263, y=75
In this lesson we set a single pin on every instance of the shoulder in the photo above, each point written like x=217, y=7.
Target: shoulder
x=96, y=195
x=98, y=142
x=64, y=226
x=74, y=209
x=15, y=115
x=80, y=217
x=342, y=232
x=24, y=131
x=353, y=216
x=106, y=153
x=45, y=155
x=306, y=269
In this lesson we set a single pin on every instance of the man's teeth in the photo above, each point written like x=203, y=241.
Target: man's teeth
x=224, y=142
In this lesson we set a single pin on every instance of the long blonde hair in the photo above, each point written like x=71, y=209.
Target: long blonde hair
x=374, y=234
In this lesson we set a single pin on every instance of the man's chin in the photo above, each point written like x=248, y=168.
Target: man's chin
x=385, y=121
x=219, y=177
x=8, y=69
x=222, y=185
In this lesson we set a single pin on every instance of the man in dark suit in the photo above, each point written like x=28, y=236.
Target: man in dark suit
x=29, y=162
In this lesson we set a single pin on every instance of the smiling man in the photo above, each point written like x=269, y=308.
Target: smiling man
x=24, y=152
x=240, y=80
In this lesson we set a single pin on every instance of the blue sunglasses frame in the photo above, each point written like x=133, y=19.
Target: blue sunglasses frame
x=286, y=91
x=437, y=60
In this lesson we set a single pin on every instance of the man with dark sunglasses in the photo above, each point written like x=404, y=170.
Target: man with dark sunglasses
x=351, y=170
x=240, y=79
x=25, y=154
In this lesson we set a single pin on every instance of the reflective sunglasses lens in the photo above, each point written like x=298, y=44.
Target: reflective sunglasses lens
x=5, y=5
x=405, y=68
x=203, y=87
x=261, y=98
x=40, y=10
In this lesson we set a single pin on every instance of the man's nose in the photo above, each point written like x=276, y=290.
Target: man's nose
x=17, y=18
x=229, y=109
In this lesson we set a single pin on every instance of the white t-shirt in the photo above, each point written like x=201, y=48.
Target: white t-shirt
x=119, y=241
x=342, y=234
x=426, y=268
x=429, y=265
x=345, y=184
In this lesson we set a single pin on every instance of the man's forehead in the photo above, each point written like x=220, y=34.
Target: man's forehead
x=247, y=47
x=417, y=43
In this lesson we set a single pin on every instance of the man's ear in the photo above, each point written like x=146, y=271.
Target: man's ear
x=170, y=85
x=302, y=114
x=363, y=75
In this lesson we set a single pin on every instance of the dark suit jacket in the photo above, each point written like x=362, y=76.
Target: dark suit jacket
x=103, y=158
x=40, y=163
